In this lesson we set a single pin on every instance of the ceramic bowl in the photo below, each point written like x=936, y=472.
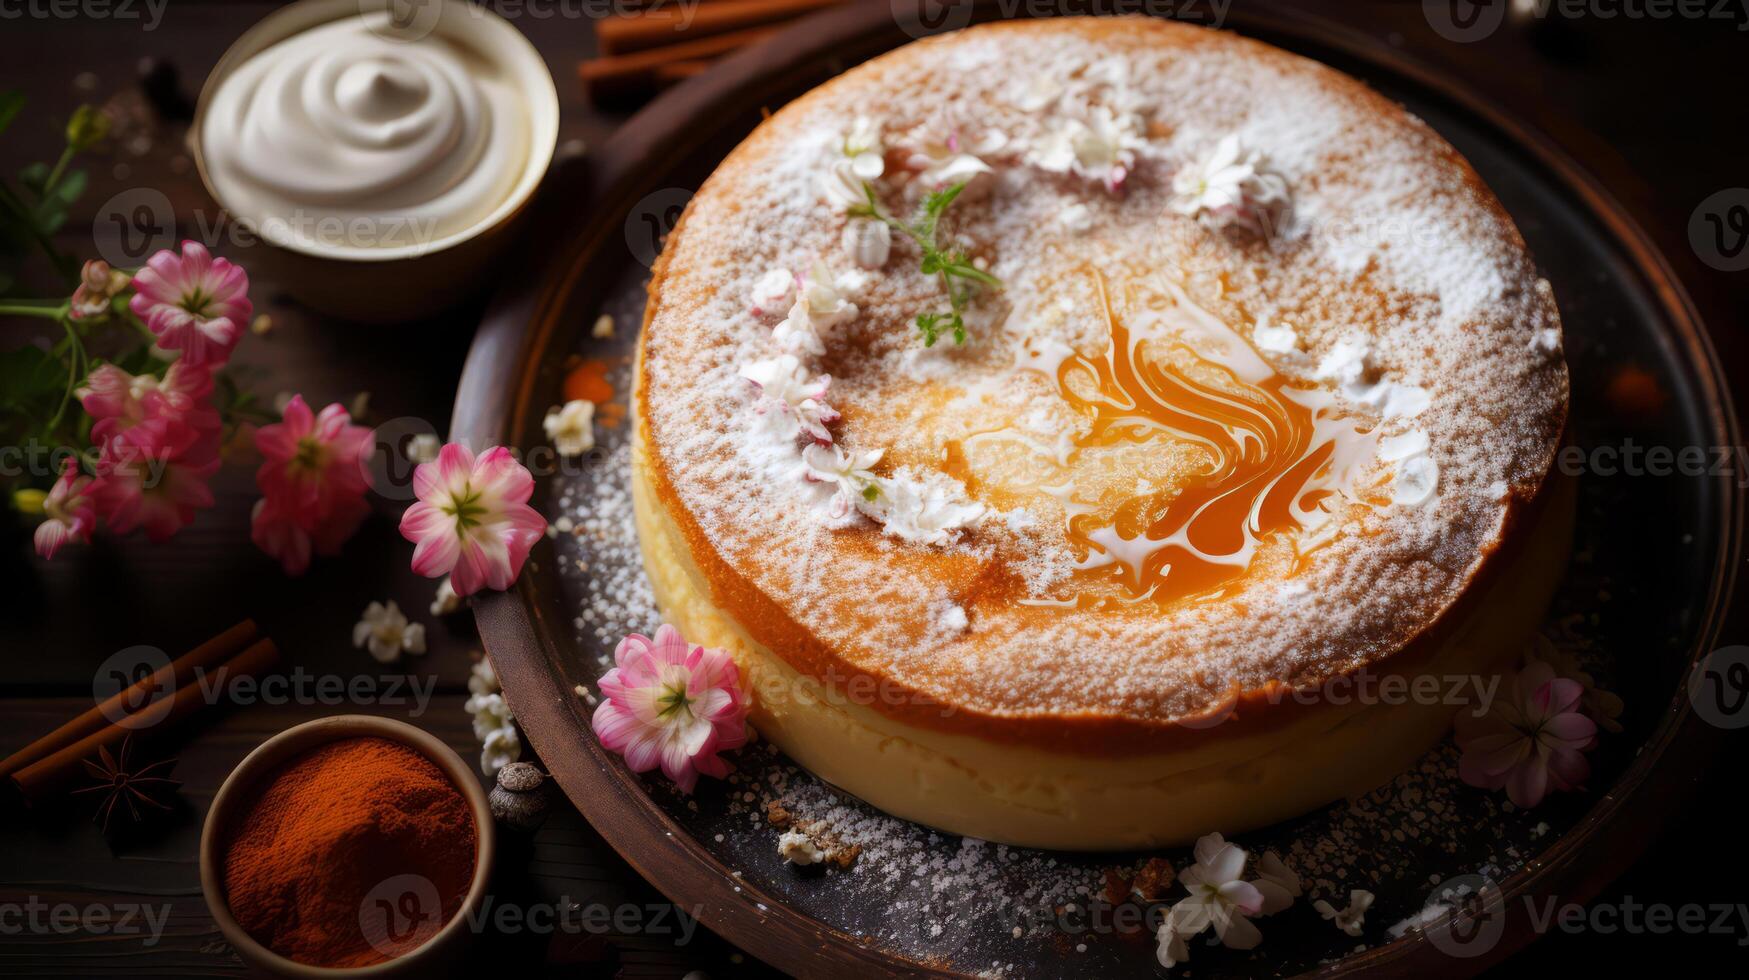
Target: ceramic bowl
x=378, y=284
x=437, y=954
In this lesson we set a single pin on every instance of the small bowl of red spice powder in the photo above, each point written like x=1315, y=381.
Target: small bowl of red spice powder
x=348, y=846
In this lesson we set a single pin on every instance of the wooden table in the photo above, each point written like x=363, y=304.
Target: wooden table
x=1652, y=107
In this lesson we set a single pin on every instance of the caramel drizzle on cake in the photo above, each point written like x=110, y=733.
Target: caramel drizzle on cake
x=1279, y=453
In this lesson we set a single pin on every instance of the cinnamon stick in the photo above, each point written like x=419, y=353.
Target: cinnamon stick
x=605, y=77
x=46, y=778
x=664, y=25
x=137, y=697
x=680, y=71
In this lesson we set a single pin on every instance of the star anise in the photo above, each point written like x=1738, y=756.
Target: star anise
x=128, y=791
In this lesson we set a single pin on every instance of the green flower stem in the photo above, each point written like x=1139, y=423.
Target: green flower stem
x=76, y=359
x=27, y=218
x=59, y=171
x=946, y=265
x=48, y=309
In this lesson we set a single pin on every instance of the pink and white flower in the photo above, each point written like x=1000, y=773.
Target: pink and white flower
x=1531, y=737
x=823, y=301
x=153, y=475
x=311, y=461
x=1220, y=897
x=666, y=703
x=69, y=511
x=1098, y=144
x=942, y=163
x=790, y=400
x=98, y=286
x=850, y=474
x=117, y=401
x=472, y=521
x=193, y=302
x=1232, y=187
x=772, y=293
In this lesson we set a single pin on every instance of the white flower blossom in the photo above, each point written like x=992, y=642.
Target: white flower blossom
x=863, y=146
x=482, y=679
x=424, y=447
x=445, y=602
x=1231, y=187
x=822, y=302
x=792, y=402
x=841, y=187
x=490, y=713
x=851, y=474
x=773, y=293
x=498, y=749
x=1220, y=898
x=494, y=724
x=867, y=242
x=1095, y=144
x=571, y=427
x=943, y=164
x=385, y=632
x=1352, y=919
x=921, y=511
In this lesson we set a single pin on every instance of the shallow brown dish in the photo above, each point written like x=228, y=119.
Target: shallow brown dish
x=427, y=959
x=1621, y=304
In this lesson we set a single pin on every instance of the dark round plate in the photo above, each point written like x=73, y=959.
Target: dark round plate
x=1647, y=588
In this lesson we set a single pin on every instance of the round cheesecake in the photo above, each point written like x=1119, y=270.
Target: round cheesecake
x=1096, y=433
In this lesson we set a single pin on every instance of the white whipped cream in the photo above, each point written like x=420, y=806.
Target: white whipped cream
x=1417, y=475
x=1276, y=339
x=345, y=136
x=1347, y=366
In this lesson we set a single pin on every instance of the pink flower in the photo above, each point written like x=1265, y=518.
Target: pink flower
x=472, y=521
x=98, y=286
x=193, y=302
x=153, y=475
x=672, y=705
x=69, y=512
x=1530, y=737
x=275, y=530
x=311, y=461
x=117, y=401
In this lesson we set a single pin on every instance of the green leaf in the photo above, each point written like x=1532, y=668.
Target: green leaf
x=68, y=189
x=33, y=176
x=50, y=219
x=10, y=103
x=938, y=201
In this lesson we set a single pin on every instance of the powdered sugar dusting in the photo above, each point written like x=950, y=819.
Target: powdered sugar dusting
x=1391, y=241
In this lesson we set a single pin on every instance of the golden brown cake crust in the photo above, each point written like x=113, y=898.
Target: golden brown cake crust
x=1394, y=242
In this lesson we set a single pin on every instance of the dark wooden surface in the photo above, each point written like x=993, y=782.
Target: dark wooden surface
x=1653, y=108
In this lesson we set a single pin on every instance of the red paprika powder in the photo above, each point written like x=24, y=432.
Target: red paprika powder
x=330, y=827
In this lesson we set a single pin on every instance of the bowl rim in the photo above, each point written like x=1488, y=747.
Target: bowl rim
x=301, y=738
x=541, y=100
